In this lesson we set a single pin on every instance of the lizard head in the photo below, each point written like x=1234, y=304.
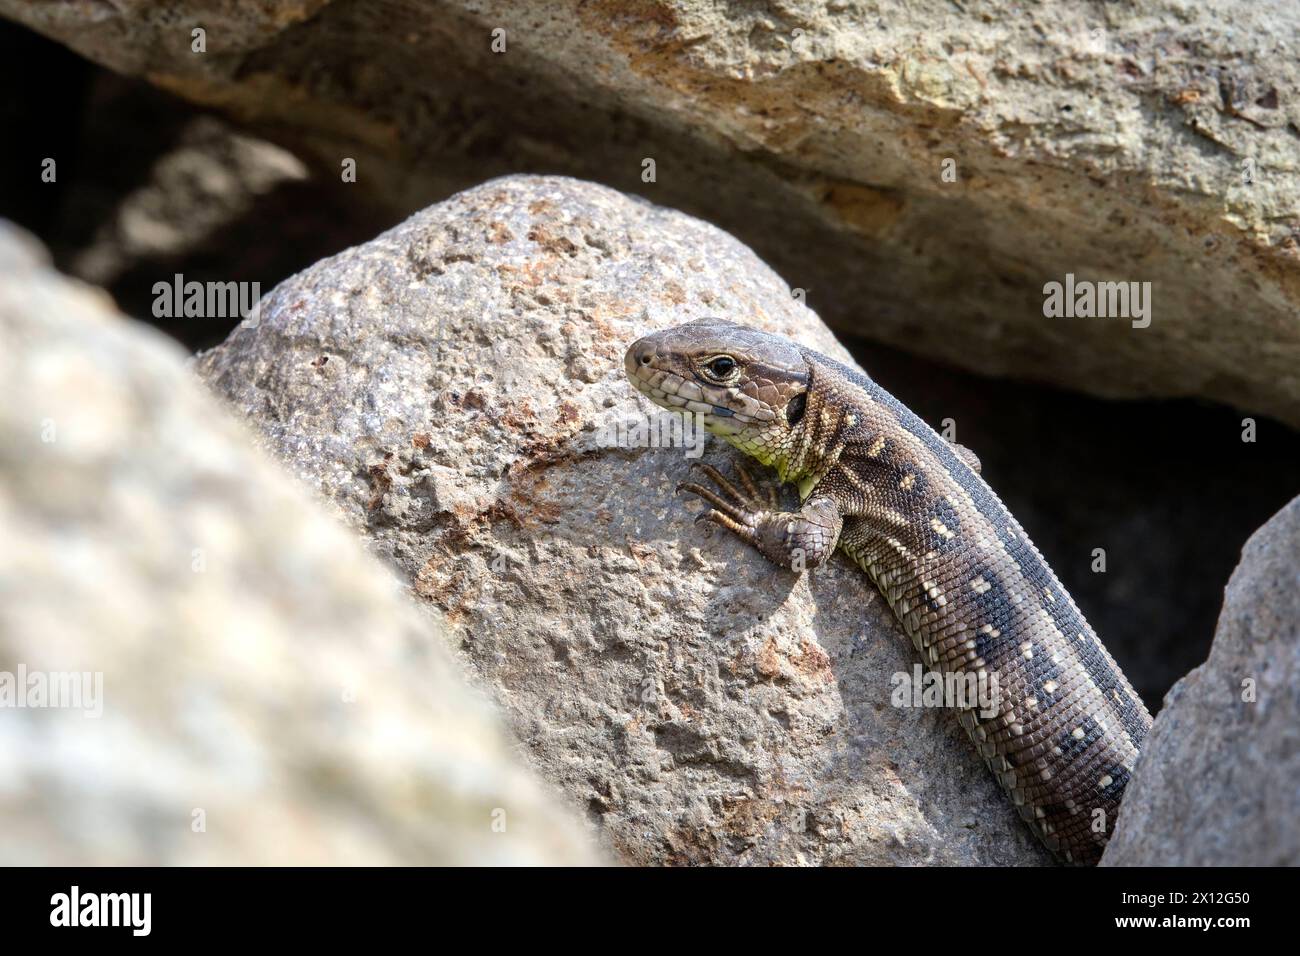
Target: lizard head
x=749, y=387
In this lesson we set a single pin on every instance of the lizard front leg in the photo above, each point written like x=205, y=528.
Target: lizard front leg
x=793, y=539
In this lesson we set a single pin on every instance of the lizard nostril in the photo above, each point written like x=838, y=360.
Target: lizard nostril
x=640, y=355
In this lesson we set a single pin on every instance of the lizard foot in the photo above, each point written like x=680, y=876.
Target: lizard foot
x=737, y=509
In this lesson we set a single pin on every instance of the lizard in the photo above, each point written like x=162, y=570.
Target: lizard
x=912, y=510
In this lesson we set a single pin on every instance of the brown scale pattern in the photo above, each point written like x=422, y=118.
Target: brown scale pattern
x=935, y=575
x=968, y=586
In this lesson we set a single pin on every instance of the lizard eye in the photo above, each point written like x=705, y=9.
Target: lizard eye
x=721, y=367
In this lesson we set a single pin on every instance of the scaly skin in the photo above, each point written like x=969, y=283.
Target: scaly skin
x=968, y=586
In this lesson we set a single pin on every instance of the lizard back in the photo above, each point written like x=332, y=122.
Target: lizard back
x=976, y=596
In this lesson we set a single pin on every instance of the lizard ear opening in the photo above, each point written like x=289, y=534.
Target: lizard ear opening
x=795, y=408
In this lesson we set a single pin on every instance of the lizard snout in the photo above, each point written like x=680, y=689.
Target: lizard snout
x=641, y=353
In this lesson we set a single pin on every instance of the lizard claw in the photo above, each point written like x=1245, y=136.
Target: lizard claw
x=748, y=499
x=738, y=507
x=713, y=516
x=732, y=510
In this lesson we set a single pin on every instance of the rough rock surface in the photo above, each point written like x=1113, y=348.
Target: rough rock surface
x=269, y=695
x=456, y=385
x=1219, y=781
x=1111, y=141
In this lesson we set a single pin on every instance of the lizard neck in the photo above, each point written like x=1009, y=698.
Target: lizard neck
x=831, y=422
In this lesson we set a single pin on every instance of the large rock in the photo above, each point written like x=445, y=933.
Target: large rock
x=1155, y=141
x=457, y=387
x=266, y=693
x=1219, y=781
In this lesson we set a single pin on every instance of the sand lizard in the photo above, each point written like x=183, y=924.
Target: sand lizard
x=911, y=510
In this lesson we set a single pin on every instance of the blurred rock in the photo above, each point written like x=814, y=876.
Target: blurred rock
x=268, y=695
x=457, y=387
x=209, y=179
x=1146, y=142
x=1219, y=781
x=149, y=185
